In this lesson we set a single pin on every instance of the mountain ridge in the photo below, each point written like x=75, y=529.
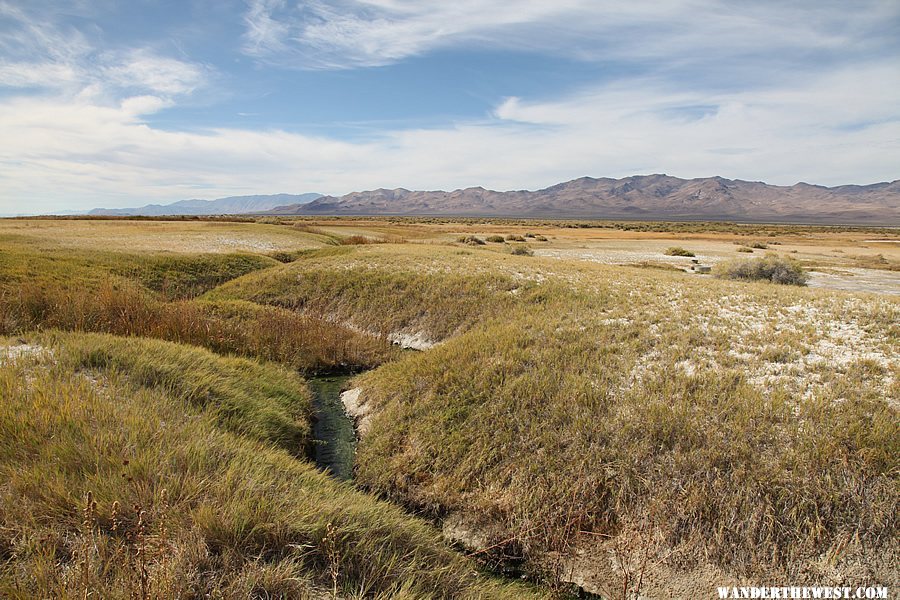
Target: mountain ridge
x=227, y=205
x=656, y=196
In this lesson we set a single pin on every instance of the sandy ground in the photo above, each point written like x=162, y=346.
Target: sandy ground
x=838, y=278
x=858, y=280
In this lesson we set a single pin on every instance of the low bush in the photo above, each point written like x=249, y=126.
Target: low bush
x=745, y=249
x=877, y=262
x=678, y=251
x=770, y=268
x=471, y=240
x=514, y=238
x=522, y=250
x=495, y=239
x=356, y=240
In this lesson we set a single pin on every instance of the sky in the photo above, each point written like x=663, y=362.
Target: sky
x=107, y=103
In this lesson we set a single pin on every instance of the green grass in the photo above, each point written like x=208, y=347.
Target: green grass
x=188, y=276
x=266, y=402
x=139, y=469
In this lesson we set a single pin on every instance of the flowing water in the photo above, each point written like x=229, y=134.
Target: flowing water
x=333, y=429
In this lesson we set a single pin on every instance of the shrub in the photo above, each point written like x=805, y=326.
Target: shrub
x=514, y=238
x=540, y=238
x=522, y=250
x=471, y=240
x=356, y=240
x=759, y=245
x=770, y=268
x=678, y=251
x=529, y=235
x=877, y=262
x=745, y=249
x=282, y=256
x=496, y=239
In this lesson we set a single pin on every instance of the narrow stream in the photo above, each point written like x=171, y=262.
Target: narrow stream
x=333, y=430
x=335, y=450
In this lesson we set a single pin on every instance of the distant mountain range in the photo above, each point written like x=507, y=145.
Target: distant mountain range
x=637, y=197
x=233, y=205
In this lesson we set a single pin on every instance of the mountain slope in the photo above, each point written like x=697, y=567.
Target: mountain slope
x=231, y=205
x=639, y=196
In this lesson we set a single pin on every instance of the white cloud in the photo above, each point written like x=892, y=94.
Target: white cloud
x=37, y=53
x=144, y=70
x=811, y=130
x=85, y=141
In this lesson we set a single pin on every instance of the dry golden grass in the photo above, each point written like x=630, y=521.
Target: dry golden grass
x=574, y=405
x=157, y=236
x=572, y=393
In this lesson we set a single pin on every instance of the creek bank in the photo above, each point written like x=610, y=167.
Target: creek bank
x=476, y=536
x=357, y=409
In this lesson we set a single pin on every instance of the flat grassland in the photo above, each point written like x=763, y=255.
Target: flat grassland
x=584, y=409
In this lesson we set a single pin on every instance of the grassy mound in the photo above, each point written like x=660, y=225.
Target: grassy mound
x=173, y=276
x=424, y=290
x=564, y=439
x=188, y=276
x=140, y=469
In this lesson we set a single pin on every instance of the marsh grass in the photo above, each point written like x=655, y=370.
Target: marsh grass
x=877, y=261
x=152, y=295
x=188, y=276
x=122, y=480
x=301, y=341
x=573, y=407
x=173, y=276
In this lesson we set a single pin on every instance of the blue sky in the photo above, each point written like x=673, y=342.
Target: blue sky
x=114, y=103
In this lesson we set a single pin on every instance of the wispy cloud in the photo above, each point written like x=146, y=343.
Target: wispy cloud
x=338, y=34
x=40, y=54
